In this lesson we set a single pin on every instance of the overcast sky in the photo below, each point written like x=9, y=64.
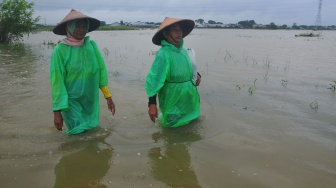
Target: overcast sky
x=302, y=12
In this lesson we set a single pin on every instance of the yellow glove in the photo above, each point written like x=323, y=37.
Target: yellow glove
x=106, y=92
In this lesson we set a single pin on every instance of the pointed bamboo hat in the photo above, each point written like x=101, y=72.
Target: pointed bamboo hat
x=60, y=29
x=186, y=25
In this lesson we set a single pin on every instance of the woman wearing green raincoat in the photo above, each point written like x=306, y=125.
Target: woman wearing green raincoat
x=170, y=76
x=77, y=71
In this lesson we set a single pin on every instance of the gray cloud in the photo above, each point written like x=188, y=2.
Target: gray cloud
x=226, y=11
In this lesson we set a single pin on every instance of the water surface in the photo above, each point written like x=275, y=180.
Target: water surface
x=257, y=129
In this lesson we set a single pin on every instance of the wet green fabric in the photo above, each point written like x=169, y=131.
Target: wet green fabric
x=170, y=77
x=76, y=73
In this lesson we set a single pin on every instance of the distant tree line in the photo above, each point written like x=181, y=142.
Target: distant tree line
x=272, y=25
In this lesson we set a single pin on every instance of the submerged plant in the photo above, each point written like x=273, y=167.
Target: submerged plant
x=115, y=74
x=266, y=76
x=153, y=52
x=267, y=62
x=311, y=34
x=228, y=55
x=139, y=74
x=284, y=82
x=106, y=51
x=333, y=86
x=254, y=61
x=287, y=66
x=245, y=57
x=16, y=48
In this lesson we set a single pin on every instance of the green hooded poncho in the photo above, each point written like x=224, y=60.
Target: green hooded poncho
x=170, y=77
x=76, y=74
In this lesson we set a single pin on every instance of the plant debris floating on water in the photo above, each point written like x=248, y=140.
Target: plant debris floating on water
x=311, y=34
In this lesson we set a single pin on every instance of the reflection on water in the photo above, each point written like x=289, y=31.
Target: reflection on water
x=171, y=164
x=84, y=164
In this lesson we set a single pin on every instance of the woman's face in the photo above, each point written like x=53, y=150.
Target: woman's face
x=174, y=35
x=80, y=30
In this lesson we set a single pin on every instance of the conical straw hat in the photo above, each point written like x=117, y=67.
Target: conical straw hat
x=186, y=25
x=60, y=28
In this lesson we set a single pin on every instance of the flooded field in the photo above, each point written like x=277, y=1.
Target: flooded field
x=268, y=106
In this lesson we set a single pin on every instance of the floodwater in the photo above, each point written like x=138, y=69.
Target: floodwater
x=267, y=103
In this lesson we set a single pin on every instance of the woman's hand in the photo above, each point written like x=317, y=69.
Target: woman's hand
x=110, y=105
x=58, y=121
x=153, y=112
x=198, y=81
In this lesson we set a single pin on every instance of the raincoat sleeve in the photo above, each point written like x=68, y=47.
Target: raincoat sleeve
x=57, y=81
x=157, y=74
x=103, y=80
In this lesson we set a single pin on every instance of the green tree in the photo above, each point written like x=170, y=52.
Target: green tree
x=16, y=19
x=247, y=23
x=201, y=21
x=284, y=26
x=294, y=26
x=272, y=26
x=102, y=23
x=212, y=22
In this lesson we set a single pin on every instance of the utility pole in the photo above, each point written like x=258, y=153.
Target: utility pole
x=318, y=17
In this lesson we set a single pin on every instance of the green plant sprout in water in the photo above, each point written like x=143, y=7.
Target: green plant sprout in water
x=333, y=86
x=238, y=87
x=50, y=43
x=284, y=82
x=106, y=51
x=251, y=90
x=266, y=76
x=254, y=83
x=314, y=105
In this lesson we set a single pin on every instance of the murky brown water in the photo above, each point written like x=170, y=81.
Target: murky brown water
x=257, y=127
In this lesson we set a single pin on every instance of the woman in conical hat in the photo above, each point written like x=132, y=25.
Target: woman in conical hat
x=170, y=76
x=77, y=72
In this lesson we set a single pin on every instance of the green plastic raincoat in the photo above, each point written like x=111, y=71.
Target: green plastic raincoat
x=76, y=74
x=170, y=77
